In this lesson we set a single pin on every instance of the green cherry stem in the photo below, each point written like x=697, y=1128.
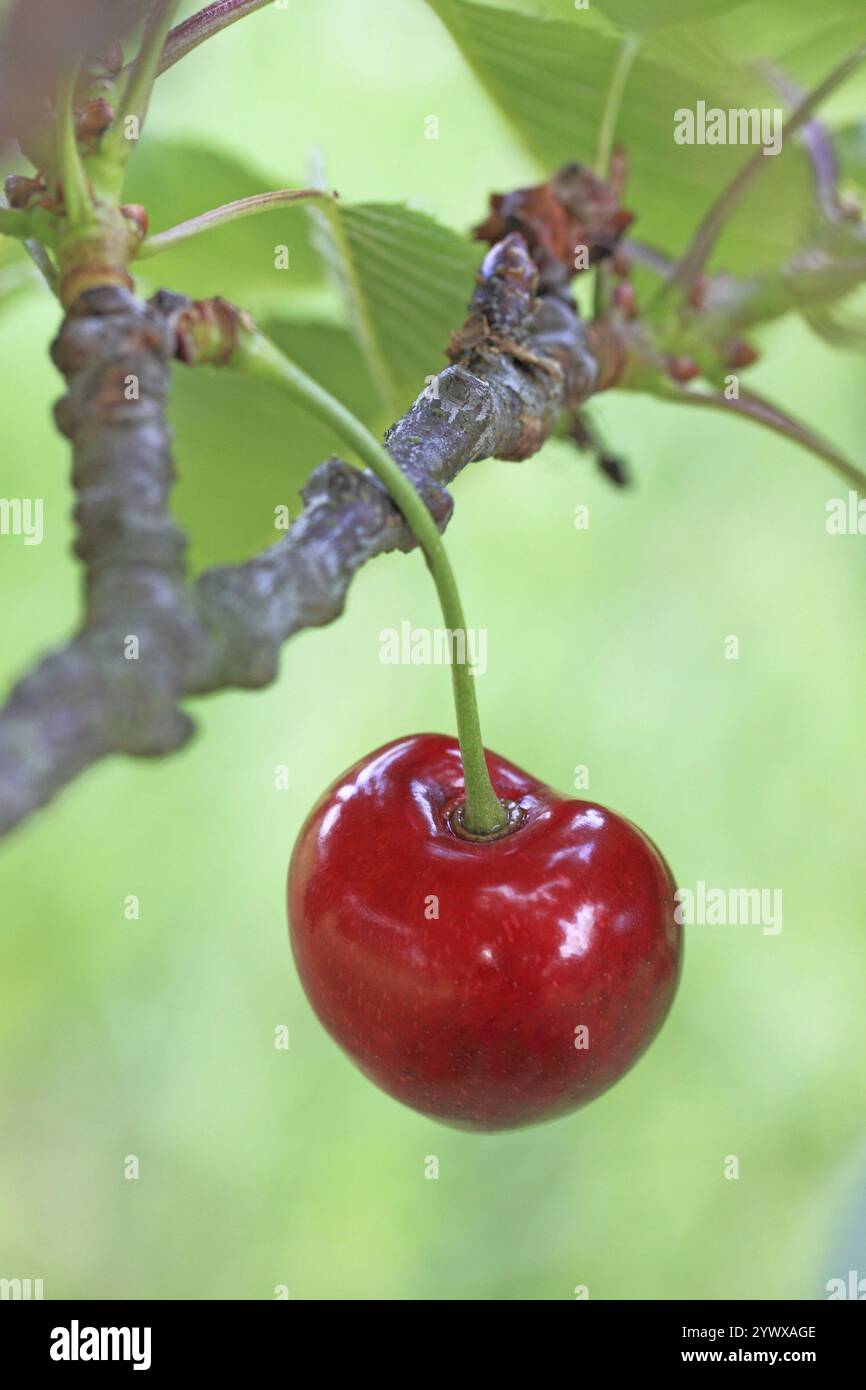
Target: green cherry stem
x=257, y=356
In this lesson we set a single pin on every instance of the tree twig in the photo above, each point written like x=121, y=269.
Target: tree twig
x=149, y=638
x=750, y=406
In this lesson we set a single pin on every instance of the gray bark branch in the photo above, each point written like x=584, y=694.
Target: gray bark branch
x=149, y=637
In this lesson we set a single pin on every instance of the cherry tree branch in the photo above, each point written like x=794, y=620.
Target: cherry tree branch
x=149, y=638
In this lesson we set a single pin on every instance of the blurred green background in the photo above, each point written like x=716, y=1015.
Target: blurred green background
x=261, y=1167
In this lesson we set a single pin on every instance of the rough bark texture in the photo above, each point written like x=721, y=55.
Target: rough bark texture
x=149, y=638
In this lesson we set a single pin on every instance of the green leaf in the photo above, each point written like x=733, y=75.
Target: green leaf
x=550, y=80
x=237, y=260
x=803, y=39
x=406, y=281
x=243, y=450
x=635, y=16
x=642, y=15
x=738, y=28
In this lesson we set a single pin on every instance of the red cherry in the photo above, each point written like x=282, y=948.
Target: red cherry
x=489, y=983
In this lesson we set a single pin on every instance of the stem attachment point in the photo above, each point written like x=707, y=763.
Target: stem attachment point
x=515, y=816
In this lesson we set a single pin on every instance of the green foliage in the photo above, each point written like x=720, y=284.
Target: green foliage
x=550, y=81
x=369, y=249
x=247, y=451
x=237, y=260
x=406, y=282
x=803, y=39
x=638, y=16
x=155, y=1036
x=397, y=337
x=634, y=16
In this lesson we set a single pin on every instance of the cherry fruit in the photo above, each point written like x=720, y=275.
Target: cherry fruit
x=491, y=982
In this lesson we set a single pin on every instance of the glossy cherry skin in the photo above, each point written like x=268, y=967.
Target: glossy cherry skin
x=459, y=975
